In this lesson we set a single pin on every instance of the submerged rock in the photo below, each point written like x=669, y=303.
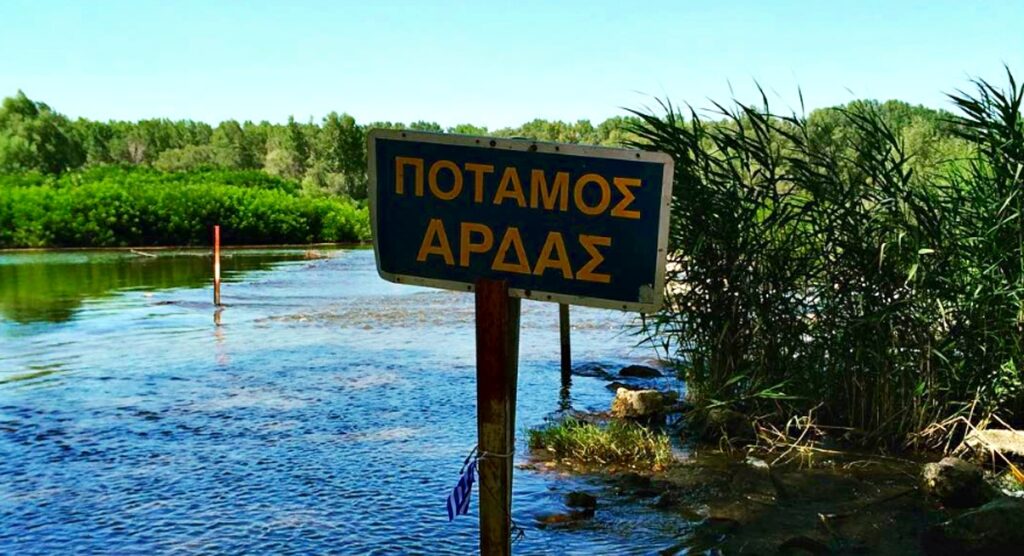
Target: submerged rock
x=640, y=371
x=614, y=386
x=579, y=499
x=637, y=404
x=563, y=519
x=956, y=483
x=593, y=370
x=995, y=528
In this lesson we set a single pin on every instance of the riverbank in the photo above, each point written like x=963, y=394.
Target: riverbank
x=755, y=496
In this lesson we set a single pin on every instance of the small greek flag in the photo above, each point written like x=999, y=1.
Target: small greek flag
x=458, y=500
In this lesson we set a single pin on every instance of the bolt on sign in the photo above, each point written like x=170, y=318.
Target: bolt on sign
x=565, y=223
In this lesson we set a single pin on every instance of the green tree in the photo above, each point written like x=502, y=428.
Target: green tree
x=468, y=129
x=288, y=151
x=233, y=148
x=34, y=137
x=426, y=126
x=339, y=157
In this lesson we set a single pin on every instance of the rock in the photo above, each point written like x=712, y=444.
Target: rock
x=564, y=519
x=578, y=499
x=637, y=404
x=1010, y=443
x=995, y=528
x=956, y=483
x=594, y=370
x=728, y=423
x=640, y=371
x=614, y=386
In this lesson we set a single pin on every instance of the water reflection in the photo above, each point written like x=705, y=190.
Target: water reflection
x=52, y=286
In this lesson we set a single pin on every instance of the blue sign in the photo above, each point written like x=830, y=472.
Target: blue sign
x=565, y=223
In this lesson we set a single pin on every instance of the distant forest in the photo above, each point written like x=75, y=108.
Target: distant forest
x=84, y=183
x=329, y=156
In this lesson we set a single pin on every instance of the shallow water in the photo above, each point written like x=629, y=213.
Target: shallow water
x=328, y=412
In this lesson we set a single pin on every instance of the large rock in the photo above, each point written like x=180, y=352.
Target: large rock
x=995, y=528
x=637, y=404
x=956, y=483
x=640, y=371
x=1010, y=443
x=722, y=422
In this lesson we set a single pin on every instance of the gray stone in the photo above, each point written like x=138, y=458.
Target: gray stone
x=956, y=483
x=594, y=370
x=640, y=371
x=637, y=404
x=995, y=528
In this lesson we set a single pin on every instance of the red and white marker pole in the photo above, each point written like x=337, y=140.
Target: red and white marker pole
x=216, y=265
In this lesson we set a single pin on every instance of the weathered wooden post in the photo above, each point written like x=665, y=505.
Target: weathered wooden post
x=216, y=265
x=563, y=333
x=497, y=367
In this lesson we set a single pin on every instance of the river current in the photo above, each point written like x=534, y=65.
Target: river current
x=327, y=412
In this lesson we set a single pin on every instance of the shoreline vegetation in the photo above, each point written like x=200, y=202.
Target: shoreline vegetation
x=843, y=306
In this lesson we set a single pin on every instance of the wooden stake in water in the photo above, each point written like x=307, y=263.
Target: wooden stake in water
x=563, y=332
x=497, y=369
x=216, y=265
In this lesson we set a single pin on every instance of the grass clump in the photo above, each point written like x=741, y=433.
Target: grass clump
x=614, y=443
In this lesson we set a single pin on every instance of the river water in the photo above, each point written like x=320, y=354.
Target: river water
x=328, y=412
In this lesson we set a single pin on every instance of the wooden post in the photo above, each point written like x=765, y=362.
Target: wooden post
x=563, y=332
x=216, y=265
x=497, y=368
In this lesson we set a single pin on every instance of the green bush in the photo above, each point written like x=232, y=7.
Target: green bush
x=113, y=206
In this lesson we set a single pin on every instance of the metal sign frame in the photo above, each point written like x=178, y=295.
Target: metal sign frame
x=529, y=146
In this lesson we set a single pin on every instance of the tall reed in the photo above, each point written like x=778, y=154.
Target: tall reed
x=831, y=265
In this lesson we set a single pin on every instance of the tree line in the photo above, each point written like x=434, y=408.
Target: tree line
x=329, y=156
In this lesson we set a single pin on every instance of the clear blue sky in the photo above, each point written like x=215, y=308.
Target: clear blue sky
x=487, y=62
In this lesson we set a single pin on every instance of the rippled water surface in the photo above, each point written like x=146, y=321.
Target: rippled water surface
x=328, y=412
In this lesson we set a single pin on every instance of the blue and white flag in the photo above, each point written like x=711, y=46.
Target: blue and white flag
x=458, y=500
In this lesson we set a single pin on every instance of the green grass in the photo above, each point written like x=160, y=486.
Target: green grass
x=615, y=443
